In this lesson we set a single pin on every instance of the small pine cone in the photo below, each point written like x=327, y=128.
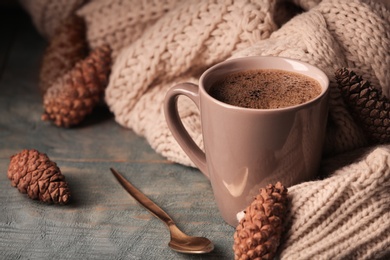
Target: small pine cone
x=66, y=48
x=34, y=173
x=76, y=93
x=258, y=234
x=369, y=107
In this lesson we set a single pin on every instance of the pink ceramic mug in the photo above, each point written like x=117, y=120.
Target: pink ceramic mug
x=246, y=149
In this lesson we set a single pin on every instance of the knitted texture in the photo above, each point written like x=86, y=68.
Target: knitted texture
x=124, y=21
x=158, y=45
x=184, y=42
x=346, y=216
x=325, y=37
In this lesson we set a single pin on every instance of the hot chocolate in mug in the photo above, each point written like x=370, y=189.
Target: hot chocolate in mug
x=246, y=148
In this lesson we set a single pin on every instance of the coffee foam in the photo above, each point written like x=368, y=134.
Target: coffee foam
x=265, y=89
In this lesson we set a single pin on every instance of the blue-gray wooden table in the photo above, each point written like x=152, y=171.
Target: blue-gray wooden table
x=102, y=221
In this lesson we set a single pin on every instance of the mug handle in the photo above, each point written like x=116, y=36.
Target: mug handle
x=176, y=126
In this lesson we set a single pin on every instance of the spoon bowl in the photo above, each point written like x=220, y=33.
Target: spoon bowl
x=179, y=242
x=183, y=243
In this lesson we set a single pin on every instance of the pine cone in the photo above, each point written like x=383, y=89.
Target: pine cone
x=367, y=105
x=66, y=48
x=34, y=173
x=76, y=93
x=258, y=234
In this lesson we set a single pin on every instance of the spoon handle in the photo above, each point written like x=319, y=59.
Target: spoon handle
x=142, y=199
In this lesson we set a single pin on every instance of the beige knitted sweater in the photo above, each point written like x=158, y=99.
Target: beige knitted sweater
x=159, y=43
